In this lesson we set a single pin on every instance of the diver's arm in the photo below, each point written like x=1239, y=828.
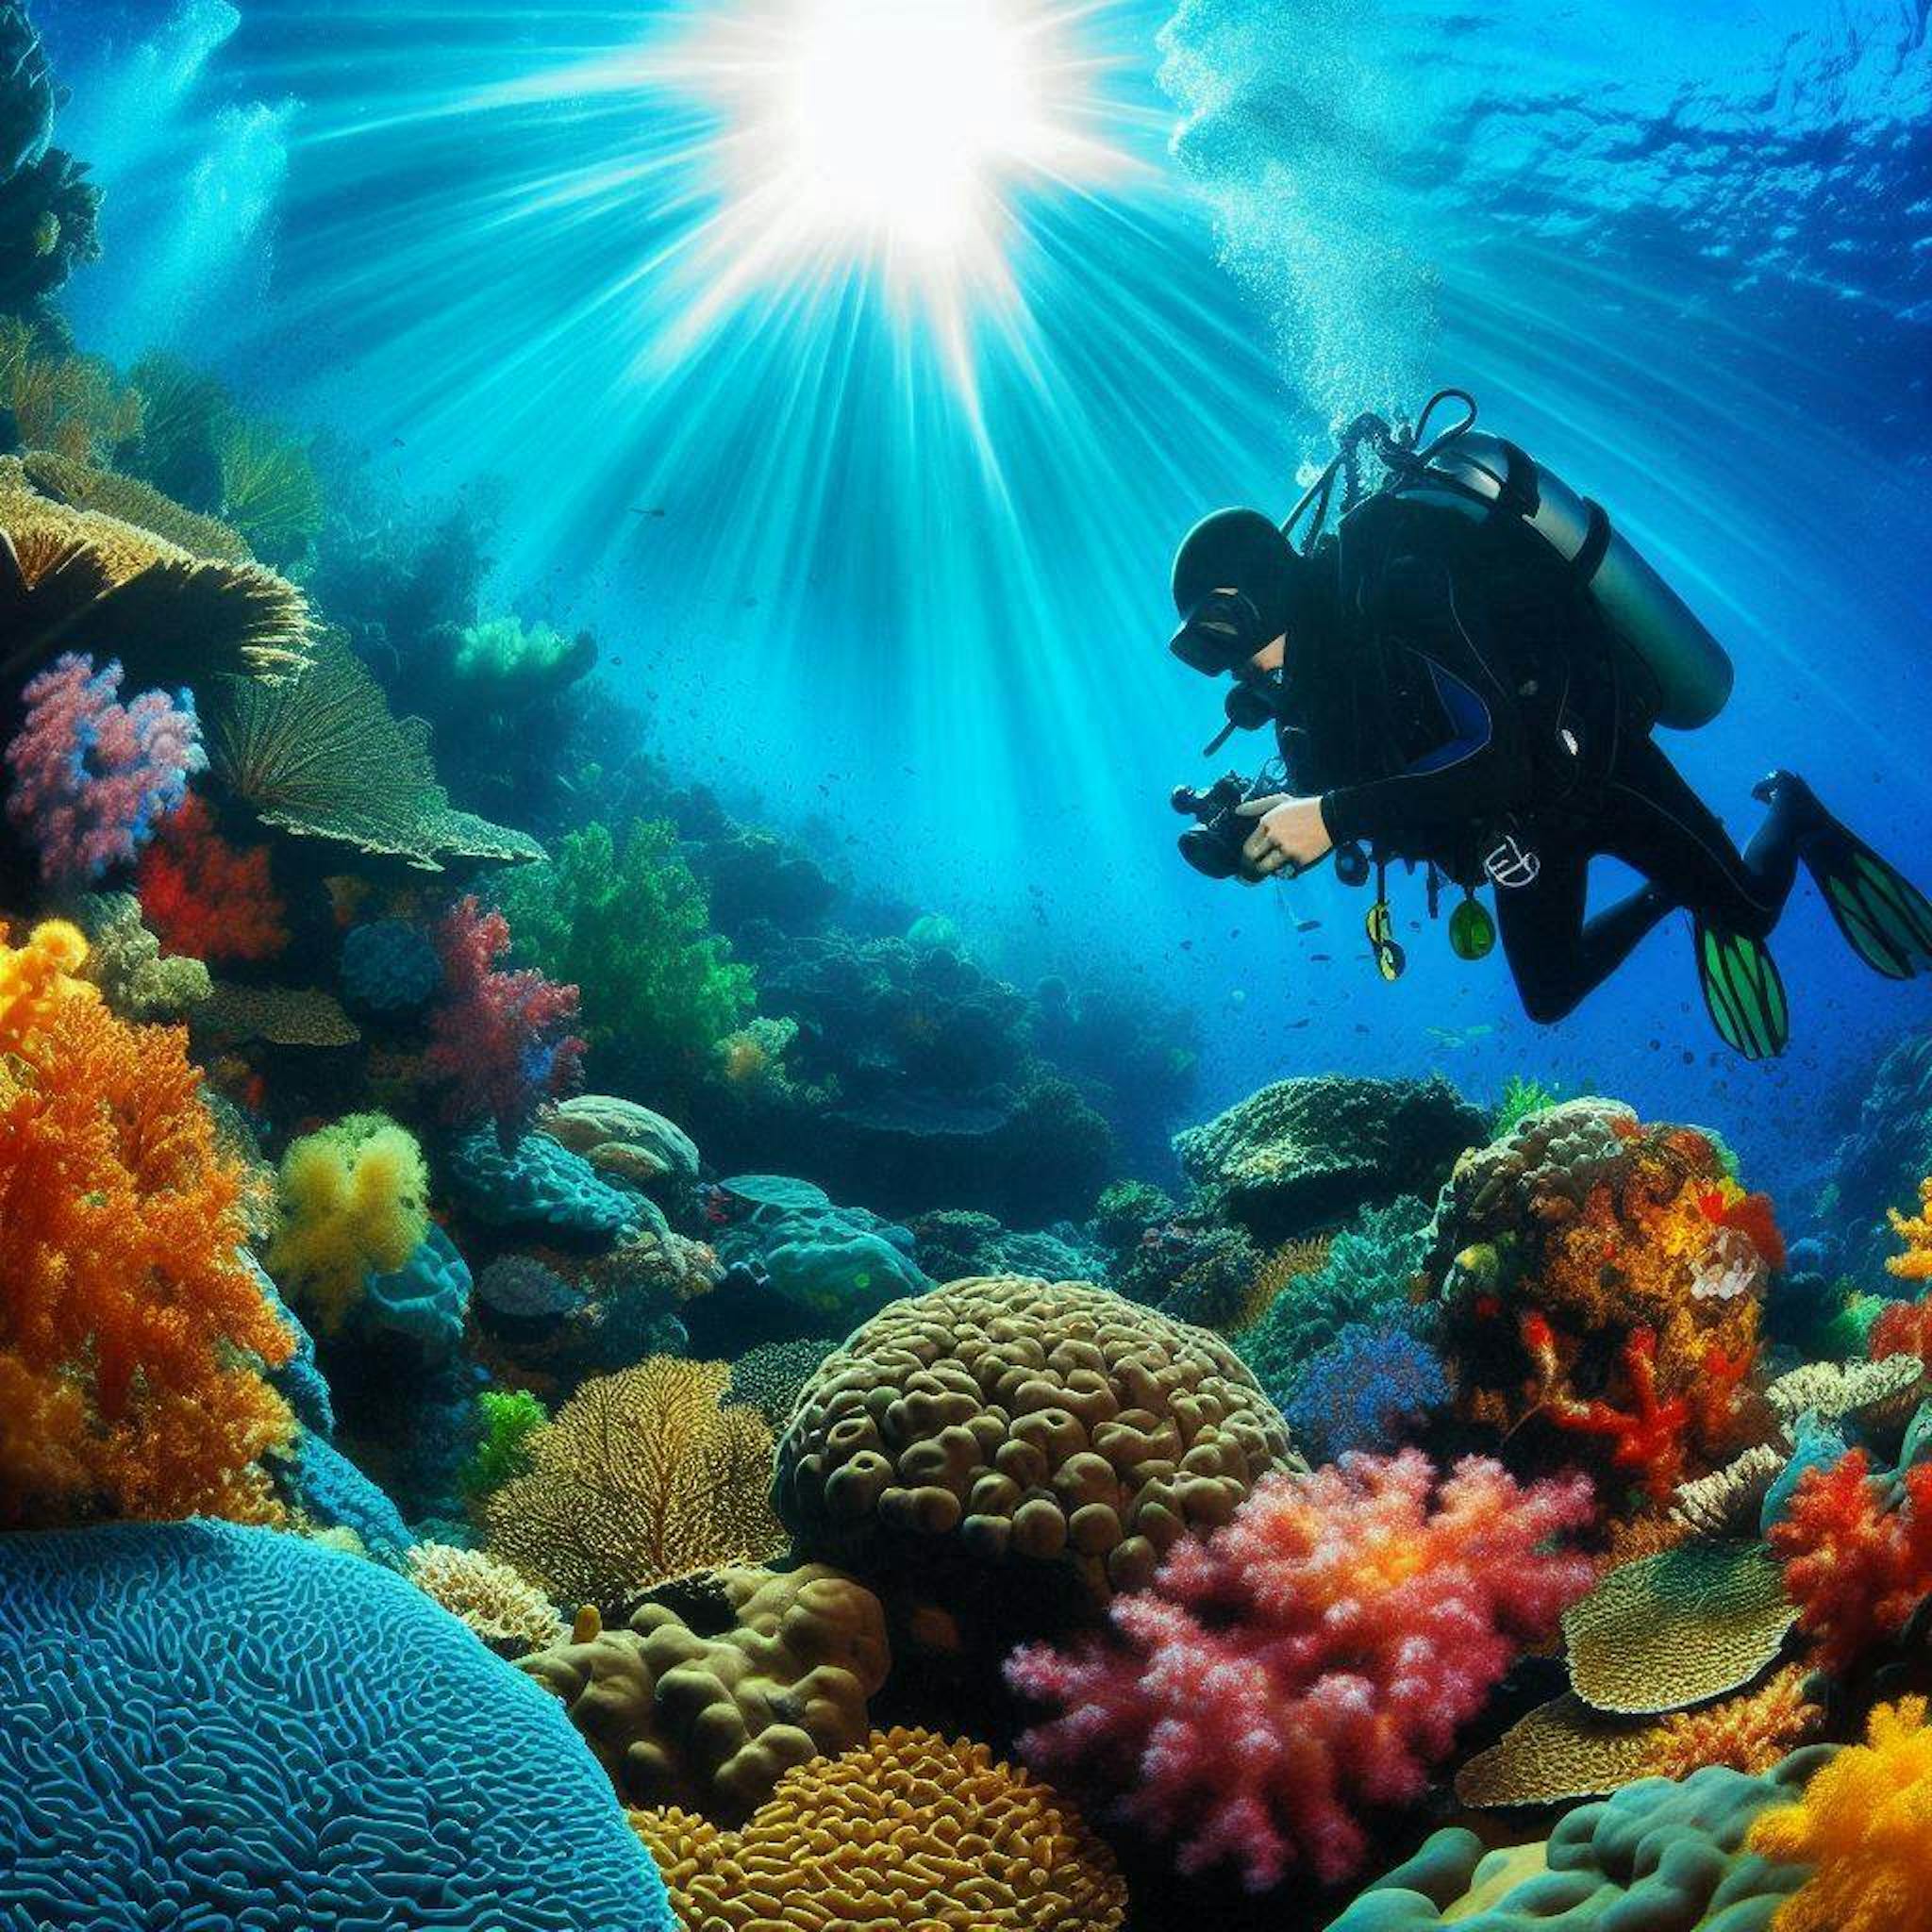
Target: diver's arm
x=1481, y=773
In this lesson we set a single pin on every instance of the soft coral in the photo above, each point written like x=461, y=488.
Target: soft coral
x=205, y=898
x=1312, y=1659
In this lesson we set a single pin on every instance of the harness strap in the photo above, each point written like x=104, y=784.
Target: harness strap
x=1596, y=544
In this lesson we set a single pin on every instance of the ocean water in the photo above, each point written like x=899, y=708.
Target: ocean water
x=844, y=374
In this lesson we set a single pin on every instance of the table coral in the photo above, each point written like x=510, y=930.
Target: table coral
x=1310, y=1661
x=1861, y=1824
x=1658, y=1856
x=1055, y=1426
x=131, y=1329
x=909, y=1829
x=679, y=1715
x=353, y=1205
x=235, y=1728
x=92, y=778
x=640, y=1477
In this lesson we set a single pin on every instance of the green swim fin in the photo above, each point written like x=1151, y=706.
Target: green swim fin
x=1743, y=994
x=1885, y=920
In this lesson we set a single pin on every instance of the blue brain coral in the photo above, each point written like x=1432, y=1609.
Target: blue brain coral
x=389, y=967
x=232, y=1730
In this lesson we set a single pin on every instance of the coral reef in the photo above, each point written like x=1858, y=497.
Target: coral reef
x=907, y=1829
x=711, y=1722
x=640, y=1476
x=190, y=1713
x=1314, y=1658
x=1056, y=1427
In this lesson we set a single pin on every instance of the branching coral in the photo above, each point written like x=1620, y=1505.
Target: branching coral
x=1856, y=1567
x=509, y=1418
x=1861, y=1825
x=353, y=1205
x=132, y=1330
x=499, y=1042
x=506, y=1611
x=1312, y=1660
x=1370, y=1389
x=1915, y=1230
x=91, y=776
x=206, y=898
x=909, y=1829
x=642, y=1475
x=626, y=920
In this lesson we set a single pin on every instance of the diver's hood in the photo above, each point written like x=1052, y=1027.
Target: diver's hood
x=1241, y=551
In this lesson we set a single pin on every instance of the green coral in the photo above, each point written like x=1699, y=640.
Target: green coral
x=323, y=757
x=506, y=651
x=508, y=1419
x=124, y=961
x=1370, y=1268
x=270, y=490
x=1522, y=1097
x=629, y=925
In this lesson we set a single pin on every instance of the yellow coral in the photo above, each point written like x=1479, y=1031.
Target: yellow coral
x=1865, y=1823
x=352, y=1206
x=641, y=1477
x=1915, y=1230
x=909, y=1830
x=499, y=1605
x=35, y=979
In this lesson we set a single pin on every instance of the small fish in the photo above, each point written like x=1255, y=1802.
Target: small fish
x=1296, y=1026
x=1308, y=926
x=1322, y=957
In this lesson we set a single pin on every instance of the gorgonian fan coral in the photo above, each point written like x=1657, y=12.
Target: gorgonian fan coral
x=205, y=898
x=93, y=777
x=499, y=1042
x=132, y=1330
x=1857, y=1562
x=1311, y=1660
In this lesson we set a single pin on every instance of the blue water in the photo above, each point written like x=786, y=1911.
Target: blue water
x=908, y=591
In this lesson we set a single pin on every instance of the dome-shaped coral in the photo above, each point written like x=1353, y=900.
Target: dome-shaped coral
x=232, y=1729
x=1052, y=1423
x=909, y=1829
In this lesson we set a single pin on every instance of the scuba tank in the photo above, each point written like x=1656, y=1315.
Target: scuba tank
x=1482, y=476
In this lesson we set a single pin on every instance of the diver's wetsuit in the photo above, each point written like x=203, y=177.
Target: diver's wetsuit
x=1484, y=698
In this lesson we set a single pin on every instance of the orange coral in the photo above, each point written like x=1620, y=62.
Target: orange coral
x=1750, y=1732
x=1915, y=1230
x=125, y=1304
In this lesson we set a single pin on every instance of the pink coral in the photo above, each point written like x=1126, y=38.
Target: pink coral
x=91, y=775
x=1313, y=1657
x=498, y=1040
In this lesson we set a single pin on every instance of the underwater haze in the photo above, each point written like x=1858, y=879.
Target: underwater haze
x=618, y=1105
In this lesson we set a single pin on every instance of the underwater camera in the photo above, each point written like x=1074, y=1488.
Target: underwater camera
x=1212, y=845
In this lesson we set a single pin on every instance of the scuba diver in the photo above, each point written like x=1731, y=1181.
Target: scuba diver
x=1464, y=673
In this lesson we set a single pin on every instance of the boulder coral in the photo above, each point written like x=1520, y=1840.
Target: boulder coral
x=908, y=1829
x=1052, y=1427
x=679, y=1715
x=234, y=1728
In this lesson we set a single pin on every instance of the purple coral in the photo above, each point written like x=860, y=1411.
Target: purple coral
x=93, y=777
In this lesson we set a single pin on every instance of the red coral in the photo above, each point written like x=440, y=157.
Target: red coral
x=1855, y=1568
x=1312, y=1660
x=1755, y=1219
x=205, y=898
x=497, y=1040
x=1649, y=1438
x=1904, y=1328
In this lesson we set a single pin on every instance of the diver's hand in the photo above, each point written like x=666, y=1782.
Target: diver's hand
x=1290, y=836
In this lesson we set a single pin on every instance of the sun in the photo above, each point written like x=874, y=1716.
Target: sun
x=895, y=141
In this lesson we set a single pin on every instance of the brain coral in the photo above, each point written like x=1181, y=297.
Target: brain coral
x=712, y=1723
x=226, y=1728
x=1658, y=1856
x=1006, y=1417
x=909, y=1830
x=1304, y=1153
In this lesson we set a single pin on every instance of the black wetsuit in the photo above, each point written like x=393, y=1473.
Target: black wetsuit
x=1458, y=689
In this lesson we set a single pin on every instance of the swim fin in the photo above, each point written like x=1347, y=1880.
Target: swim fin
x=1742, y=992
x=1885, y=920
